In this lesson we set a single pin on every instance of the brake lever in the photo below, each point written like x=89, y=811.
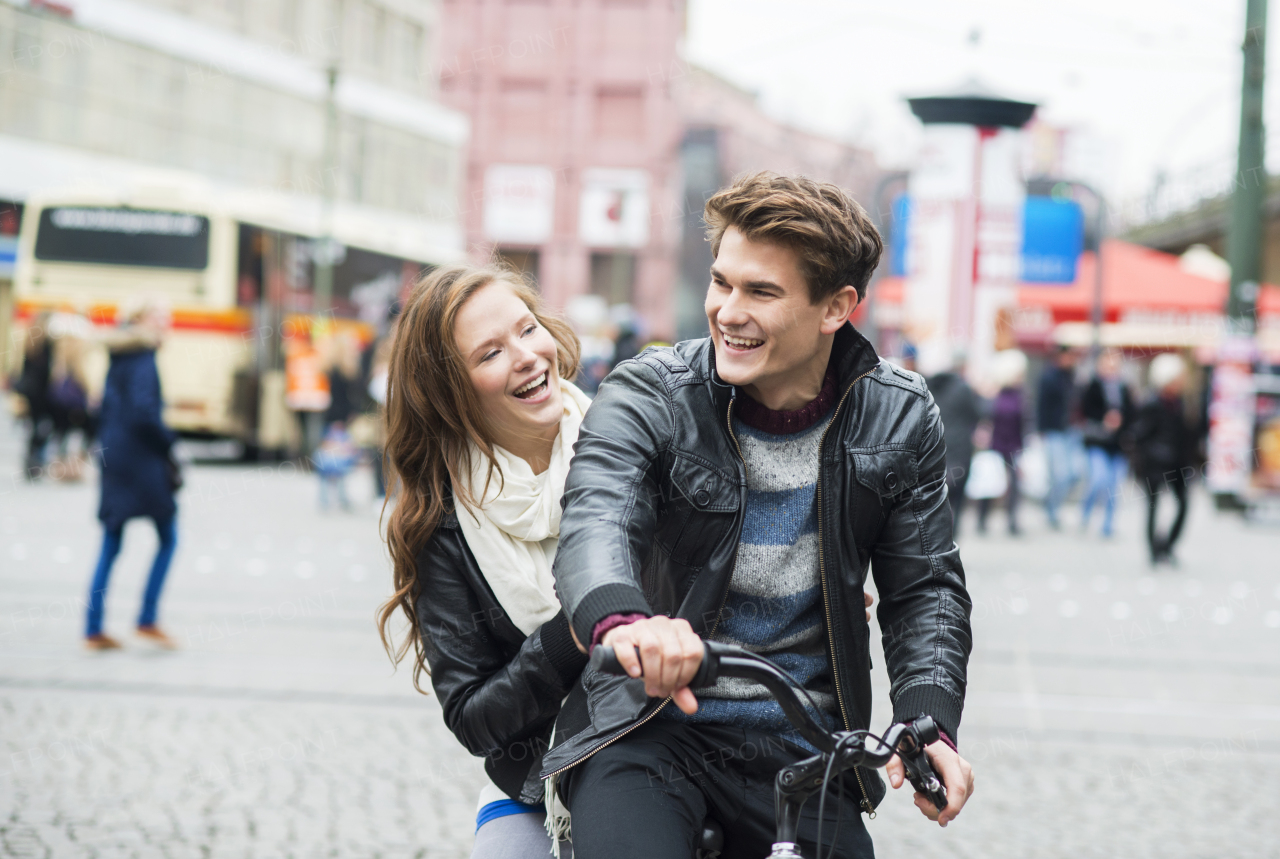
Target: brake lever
x=918, y=733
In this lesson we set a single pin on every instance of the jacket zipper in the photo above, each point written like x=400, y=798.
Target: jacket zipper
x=714, y=626
x=826, y=602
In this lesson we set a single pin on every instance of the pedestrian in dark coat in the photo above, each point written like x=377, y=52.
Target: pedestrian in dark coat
x=139, y=476
x=33, y=386
x=1107, y=409
x=1164, y=449
x=961, y=409
x=1054, y=401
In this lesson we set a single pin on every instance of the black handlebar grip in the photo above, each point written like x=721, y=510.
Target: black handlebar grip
x=605, y=660
x=927, y=729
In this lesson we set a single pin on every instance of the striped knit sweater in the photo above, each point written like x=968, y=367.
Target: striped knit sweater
x=774, y=606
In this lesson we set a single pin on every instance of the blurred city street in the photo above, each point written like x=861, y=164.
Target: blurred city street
x=1111, y=712
x=248, y=248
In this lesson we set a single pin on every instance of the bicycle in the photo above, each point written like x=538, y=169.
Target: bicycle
x=838, y=751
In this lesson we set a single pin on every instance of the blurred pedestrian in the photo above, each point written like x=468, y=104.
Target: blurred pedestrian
x=345, y=393
x=1054, y=402
x=1164, y=450
x=379, y=368
x=33, y=386
x=69, y=408
x=1107, y=409
x=139, y=474
x=334, y=458
x=961, y=409
x=1009, y=371
x=627, y=343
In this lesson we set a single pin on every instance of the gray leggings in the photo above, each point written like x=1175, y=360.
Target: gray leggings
x=516, y=836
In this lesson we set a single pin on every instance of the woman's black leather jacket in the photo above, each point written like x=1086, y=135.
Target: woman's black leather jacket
x=500, y=690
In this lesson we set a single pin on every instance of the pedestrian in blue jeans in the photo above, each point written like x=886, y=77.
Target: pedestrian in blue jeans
x=1107, y=409
x=138, y=472
x=1053, y=422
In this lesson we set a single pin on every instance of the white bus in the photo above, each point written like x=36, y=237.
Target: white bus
x=238, y=275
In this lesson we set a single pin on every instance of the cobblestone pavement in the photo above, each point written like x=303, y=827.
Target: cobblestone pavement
x=1112, y=712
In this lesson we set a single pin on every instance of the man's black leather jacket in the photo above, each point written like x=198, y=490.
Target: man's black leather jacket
x=654, y=509
x=500, y=690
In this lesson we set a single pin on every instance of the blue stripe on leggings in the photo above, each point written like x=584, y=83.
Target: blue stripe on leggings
x=503, y=807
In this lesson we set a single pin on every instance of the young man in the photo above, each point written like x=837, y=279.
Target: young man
x=737, y=488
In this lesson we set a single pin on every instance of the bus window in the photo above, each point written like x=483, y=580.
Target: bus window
x=136, y=237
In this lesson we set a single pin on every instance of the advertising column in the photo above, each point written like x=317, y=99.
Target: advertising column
x=965, y=238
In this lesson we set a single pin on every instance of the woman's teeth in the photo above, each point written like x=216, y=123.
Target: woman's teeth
x=742, y=342
x=534, y=384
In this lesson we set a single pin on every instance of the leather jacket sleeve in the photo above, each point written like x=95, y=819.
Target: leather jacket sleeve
x=924, y=605
x=611, y=499
x=490, y=697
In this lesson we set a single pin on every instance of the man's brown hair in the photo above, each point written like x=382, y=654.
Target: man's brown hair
x=835, y=240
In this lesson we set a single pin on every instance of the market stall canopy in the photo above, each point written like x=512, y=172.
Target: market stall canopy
x=1149, y=299
x=1137, y=279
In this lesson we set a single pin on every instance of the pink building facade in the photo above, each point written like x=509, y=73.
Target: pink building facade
x=574, y=162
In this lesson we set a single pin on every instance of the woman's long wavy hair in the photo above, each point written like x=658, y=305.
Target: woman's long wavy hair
x=433, y=423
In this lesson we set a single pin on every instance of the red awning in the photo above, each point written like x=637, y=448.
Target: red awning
x=1134, y=279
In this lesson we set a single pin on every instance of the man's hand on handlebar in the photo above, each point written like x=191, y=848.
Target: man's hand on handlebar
x=671, y=652
x=956, y=775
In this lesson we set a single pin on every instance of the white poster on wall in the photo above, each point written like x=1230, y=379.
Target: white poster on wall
x=614, y=208
x=519, y=203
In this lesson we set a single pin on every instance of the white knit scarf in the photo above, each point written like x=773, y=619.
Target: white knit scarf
x=515, y=529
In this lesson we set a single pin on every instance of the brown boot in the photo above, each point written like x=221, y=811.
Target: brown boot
x=100, y=641
x=157, y=637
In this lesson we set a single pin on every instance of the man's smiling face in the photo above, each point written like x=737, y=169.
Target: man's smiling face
x=767, y=333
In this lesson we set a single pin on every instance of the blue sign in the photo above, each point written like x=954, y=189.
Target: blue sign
x=901, y=213
x=1052, y=238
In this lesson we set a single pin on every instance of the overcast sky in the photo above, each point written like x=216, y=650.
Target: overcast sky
x=1158, y=81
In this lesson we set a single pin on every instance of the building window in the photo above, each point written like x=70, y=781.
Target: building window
x=523, y=112
x=406, y=47
x=613, y=276
x=371, y=24
x=620, y=113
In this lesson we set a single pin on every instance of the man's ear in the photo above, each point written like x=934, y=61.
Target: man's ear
x=840, y=307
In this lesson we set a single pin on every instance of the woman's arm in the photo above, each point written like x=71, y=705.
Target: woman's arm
x=490, y=701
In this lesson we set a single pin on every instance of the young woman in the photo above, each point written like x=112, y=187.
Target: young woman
x=139, y=475
x=481, y=421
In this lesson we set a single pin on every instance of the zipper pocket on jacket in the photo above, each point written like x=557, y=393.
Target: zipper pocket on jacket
x=715, y=625
x=826, y=601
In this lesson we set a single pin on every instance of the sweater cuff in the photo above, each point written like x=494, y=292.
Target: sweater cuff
x=561, y=651
x=611, y=622
x=613, y=598
x=934, y=701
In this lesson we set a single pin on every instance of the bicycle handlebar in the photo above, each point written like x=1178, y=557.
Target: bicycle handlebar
x=906, y=739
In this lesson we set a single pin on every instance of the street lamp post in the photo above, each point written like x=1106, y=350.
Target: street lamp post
x=1244, y=237
x=1232, y=411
